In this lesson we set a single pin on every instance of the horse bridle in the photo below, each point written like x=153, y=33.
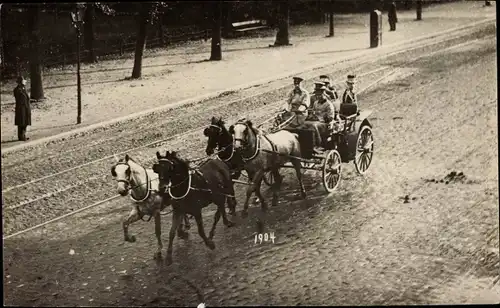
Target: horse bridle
x=127, y=181
x=245, y=143
x=224, y=148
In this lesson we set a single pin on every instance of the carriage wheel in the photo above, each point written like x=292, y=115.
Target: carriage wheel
x=268, y=178
x=332, y=170
x=364, y=150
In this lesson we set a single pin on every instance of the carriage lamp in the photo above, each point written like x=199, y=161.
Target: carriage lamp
x=77, y=20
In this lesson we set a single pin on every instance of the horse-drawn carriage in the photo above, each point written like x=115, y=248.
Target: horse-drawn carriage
x=345, y=140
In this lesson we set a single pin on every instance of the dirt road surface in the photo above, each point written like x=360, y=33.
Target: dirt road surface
x=435, y=126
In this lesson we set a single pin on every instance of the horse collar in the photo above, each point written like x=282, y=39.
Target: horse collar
x=187, y=191
x=148, y=189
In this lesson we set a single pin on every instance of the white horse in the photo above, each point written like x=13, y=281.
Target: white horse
x=262, y=153
x=142, y=184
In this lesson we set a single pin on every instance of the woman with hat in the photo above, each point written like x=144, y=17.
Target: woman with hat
x=23, y=108
x=349, y=96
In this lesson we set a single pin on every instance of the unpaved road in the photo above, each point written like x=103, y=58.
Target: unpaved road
x=360, y=245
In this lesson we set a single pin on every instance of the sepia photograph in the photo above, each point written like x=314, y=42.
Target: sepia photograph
x=249, y=153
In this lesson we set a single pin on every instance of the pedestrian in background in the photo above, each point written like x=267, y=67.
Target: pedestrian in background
x=392, y=15
x=23, y=109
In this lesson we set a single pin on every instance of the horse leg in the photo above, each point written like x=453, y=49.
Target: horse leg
x=258, y=185
x=176, y=221
x=133, y=216
x=181, y=231
x=276, y=186
x=201, y=231
x=257, y=177
x=216, y=220
x=298, y=166
x=158, y=235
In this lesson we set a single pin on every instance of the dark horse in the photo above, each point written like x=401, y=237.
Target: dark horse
x=219, y=138
x=192, y=190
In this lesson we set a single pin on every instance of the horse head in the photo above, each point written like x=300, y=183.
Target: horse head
x=243, y=132
x=169, y=169
x=214, y=132
x=121, y=171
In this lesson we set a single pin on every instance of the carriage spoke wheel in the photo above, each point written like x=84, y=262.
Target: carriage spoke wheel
x=364, y=150
x=268, y=178
x=332, y=170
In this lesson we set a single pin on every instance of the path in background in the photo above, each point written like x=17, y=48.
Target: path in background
x=182, y=72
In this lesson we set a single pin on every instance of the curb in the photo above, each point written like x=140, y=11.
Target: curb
x=201, y=98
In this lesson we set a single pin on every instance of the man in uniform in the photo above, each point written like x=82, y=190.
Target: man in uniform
x=298, y=100
x=322, y=114
x=23, y=109
x=330, y=90
x=349, y=96
x=392, y=16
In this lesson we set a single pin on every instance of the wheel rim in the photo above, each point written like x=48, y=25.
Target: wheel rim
x=332, y=170
x=364, y=150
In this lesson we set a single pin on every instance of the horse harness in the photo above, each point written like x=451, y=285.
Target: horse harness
x=224, y=148
x=146, y=197
x=190, y=187
x=257, y=147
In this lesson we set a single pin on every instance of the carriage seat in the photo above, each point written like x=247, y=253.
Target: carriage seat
x=347, y=109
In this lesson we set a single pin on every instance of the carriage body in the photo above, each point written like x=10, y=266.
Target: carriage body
x=349, y=140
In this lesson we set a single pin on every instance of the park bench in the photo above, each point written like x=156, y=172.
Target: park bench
x=249, y=25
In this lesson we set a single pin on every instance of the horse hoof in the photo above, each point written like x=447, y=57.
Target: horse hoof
x=211, y=245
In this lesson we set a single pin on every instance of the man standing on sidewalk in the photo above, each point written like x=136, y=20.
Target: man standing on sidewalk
x=392, y=15
x=23, y=109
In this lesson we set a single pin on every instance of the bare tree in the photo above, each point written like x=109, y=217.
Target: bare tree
x=216, y=50
x=36, y=91
x=143, y=22
x=283, y=36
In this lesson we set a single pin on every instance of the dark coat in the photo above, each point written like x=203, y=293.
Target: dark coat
x=392, y=14
x=23, y=108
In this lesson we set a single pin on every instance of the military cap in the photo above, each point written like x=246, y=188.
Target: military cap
x=351, y=78
x=299, y=79
x=324, y=77
x=318, y=85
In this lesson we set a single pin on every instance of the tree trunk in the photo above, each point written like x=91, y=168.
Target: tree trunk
x=36, y=91
x=419, y=10
x=330, y=13
x=161, y=33
x=216, y=52
x=283, y=36
x=143, y=21
x=88, y=33
x=2, y=56
x=227, y=19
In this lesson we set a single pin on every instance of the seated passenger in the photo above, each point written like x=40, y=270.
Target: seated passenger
x=330, y=91
x=321, y=108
